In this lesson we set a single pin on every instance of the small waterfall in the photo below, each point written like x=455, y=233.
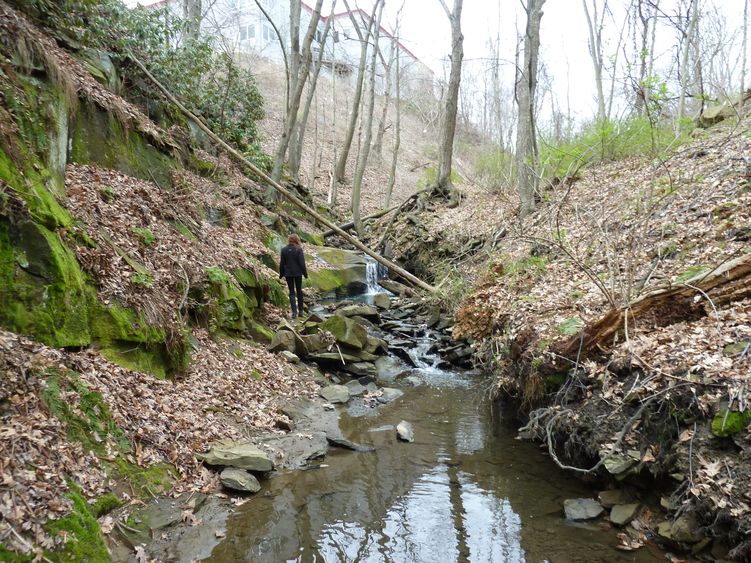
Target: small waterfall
x=374, y=271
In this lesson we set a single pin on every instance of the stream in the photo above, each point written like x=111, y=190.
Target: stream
x=465, y=490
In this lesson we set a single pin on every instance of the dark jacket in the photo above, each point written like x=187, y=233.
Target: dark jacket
x=292, y=262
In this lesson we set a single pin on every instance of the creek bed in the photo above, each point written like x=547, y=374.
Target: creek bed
x=464, y=490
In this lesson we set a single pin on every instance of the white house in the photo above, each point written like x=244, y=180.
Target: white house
x=243, y=27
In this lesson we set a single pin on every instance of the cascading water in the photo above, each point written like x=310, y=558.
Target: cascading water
x=374, y=271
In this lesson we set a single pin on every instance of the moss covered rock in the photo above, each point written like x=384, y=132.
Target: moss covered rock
x=346, y=331
x=335, y=269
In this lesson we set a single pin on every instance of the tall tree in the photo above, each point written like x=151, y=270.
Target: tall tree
x=388, y=65
x=443, y=184
x=595, y=23
x=362, y=158
x=744, y=47
x=299, y=65
x=192, y=12
x=526, y=131
x=341, y=163
x=298, y=135
x=397, y=120
x=688, y=32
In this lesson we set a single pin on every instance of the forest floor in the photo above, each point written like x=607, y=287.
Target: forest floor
x=665, y=388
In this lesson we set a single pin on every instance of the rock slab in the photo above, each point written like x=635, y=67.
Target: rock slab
x=389, y=394
x=581, y=509
x=241, y=455
x=622, y=514
x=239, y=480
x=335, y=393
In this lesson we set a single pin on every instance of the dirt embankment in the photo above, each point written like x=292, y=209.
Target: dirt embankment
x=617, y=321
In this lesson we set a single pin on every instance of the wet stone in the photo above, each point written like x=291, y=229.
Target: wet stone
x=610, y=498
x=335, y=394
x=239, y=480
x=622, y=514
x=242, y=455
x=581, y=509
x=389, y=394
x=355, y=388
x=382, y=301
x=290, y=357
x=405, y=432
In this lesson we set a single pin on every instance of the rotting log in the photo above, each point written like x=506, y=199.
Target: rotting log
x=693, y=299
x=399, y=271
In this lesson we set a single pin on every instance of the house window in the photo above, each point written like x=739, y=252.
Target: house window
x=268, y=33
x=247, y=32
x=319, y=35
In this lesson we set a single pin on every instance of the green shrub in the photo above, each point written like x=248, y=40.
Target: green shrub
x=145, y=236
x=494, y=165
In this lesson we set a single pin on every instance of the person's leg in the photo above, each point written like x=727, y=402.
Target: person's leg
x=298, y=287
x=291, y=288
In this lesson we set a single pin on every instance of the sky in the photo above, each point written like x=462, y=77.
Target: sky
x=564, y=48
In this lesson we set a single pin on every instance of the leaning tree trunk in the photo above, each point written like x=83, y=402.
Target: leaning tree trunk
x=526, y=84
x=445, y=156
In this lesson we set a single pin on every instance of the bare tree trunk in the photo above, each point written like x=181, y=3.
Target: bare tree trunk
x=445, y=156
x=287, y=74
x=526, y=84
x=594, y=27
x=688, y=39
x=397, y=127
x=299, y=68
x=362, y=159
x=298, y=135
x=341, y=164
x=378, y=144
x=744, y=47
x=192, y=12
x=332, y=194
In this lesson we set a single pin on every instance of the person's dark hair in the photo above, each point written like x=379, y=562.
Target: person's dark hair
x=294, y=239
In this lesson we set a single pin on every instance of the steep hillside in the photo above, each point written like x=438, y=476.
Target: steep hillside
x=617, y=322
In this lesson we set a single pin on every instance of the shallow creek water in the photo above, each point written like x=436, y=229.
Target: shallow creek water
x=465, y=490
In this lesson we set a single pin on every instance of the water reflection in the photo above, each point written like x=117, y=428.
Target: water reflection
x=465, y=490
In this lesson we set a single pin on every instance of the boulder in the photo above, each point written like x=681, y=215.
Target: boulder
x=610, y=498
x=376, y=345
x=404, y=432
x=412, y=381
x=335, y=393
x=290, y=357
x=283, y=340
x=360, y=369
x=359, y=310
x=298, y=448
x=355, y=388
x=382, y=301
x=239, y=480
x=388, y=367
x=335, y=269
x=582, y=509
x=313, y=343
x=685, y=528
x=395, y=287
x=346, y=331
x=389, y=394
x=242, y=455
x=622, y=514
x=732, y=107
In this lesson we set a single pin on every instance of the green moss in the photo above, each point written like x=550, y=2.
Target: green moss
x=141, y=279
x=184, y=230
x=224, y=306
x=570, y=326
x=146, y=481
x=202, y=167
x=85, y=539
x=105, y=504
x=144, y=235
x=99, y=138
x=261, y=333
x=691, y=273
x=42, y=289
x=312, y=238
x=726, y=423
x=85, y=415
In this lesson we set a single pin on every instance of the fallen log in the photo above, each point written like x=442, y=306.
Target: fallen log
x=351, y=224
x=401, y=272
x=693, y=299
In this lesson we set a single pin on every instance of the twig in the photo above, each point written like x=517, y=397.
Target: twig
x=27, y=544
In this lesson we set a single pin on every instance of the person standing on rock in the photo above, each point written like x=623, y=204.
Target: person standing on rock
x=292, y=268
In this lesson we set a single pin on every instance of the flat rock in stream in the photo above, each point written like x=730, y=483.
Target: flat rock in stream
x=622, y=514
x=405, y=432
x=239, y=480
x=310, y=415
x=389, y=394
x=296, y=449
x=242, y=455
x=388, y=367
x=359, y=310
x=355, y=388
x=335, y=394
x=360, y=369
x=382, y=301
x=350, y=445
x=581, y=509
